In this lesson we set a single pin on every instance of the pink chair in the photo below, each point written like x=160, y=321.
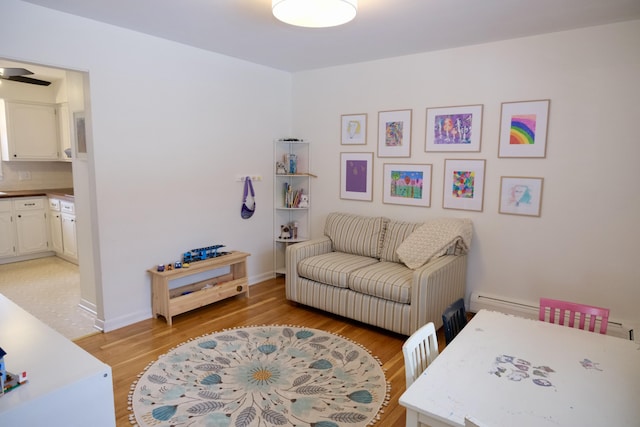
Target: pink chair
x=559, y=311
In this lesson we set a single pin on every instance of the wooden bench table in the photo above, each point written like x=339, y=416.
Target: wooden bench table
x=168, y=302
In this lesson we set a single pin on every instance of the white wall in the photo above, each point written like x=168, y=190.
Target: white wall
x=172, y=128
x=584, y=247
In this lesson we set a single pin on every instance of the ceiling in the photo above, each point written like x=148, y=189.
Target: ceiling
x=247, y=30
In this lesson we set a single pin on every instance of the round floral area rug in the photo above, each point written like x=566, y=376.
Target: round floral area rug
x=261, y=376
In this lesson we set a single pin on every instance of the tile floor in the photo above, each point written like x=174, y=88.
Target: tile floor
x=49, y=289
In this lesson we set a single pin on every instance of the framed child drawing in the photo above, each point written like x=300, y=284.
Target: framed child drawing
x=463, y=184
x=520, y=195
x=407, y=184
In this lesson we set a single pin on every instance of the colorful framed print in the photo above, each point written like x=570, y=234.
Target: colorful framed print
x=354, y=129
x=356, y=176
x=454, y=128
x=463, y=184
x=407, y=184
x=523, y=129
x=394, y=133
x=520, y=195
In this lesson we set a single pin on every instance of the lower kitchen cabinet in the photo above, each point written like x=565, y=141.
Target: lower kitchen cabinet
x=7, y=230
x=69, y=242
x=55, y=228
x=24, y=226
x=62, y=224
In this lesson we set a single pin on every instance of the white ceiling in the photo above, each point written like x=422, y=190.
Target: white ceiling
x=247, y=30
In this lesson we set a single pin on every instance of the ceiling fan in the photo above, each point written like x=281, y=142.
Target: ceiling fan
x=18, y=75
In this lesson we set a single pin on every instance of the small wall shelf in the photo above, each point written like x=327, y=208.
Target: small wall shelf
x=286, y=209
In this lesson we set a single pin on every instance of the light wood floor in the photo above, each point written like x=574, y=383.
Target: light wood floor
x=130, y=349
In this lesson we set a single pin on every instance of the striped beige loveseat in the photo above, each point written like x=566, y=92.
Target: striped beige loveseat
x=359, y=269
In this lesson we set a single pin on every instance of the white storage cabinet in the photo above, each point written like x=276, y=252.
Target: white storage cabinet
x=7, y=230
x=62, y=224
x=29, y=131
x=69, y=239
x=64, y=131
x=287, y=209
x=55, y=226
x=24, y=227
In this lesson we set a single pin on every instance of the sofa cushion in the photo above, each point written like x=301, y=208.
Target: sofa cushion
x=394, y=235
x=355, y=234
x=332, y=268
x=386, y=280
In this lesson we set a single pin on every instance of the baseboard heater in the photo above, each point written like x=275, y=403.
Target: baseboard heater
x=530, y=310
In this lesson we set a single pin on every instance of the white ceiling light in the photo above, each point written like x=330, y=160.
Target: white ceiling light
x=315, y=13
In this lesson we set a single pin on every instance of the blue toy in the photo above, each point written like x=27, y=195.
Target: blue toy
x=202, y=254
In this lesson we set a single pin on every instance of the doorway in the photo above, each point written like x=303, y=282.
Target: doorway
x=70, y=87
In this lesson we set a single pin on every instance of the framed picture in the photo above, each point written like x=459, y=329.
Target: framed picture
x=80, y=134
x=356, y=176
x=454, y=128
x=394, y=133
x=354, y=129
x=463, y=184
x=523, y=129
x=407, y=184
x=520, y=195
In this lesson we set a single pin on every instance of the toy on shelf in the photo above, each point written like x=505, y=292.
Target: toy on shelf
x=285, y=232
x=280, y=169
x=202, y=254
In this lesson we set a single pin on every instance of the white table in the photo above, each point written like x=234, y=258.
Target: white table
x=66, y=385
x=509, y=371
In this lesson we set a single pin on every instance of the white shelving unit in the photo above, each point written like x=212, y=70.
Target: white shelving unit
x=287, y=211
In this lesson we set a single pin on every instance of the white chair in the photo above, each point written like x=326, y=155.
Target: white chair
x=419, y=351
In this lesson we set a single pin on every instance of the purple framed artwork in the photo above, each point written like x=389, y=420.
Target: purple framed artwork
x=356, y=176
x=454, y=128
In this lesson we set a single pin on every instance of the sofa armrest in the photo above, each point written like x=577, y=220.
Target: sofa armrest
x=435, y=286
x=296, y=253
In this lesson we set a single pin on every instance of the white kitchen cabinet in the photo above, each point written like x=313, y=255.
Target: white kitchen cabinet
x=28, y=131
x=55, y=226
x=64, y=131
x=7, y=229
x=69, y=240
x=31, y=225
x=24, y=229
x=62, y=226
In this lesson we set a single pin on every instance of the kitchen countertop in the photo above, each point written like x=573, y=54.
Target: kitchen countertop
x=60, y=193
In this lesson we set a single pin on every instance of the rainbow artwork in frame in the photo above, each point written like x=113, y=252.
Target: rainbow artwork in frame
x=523, y=129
